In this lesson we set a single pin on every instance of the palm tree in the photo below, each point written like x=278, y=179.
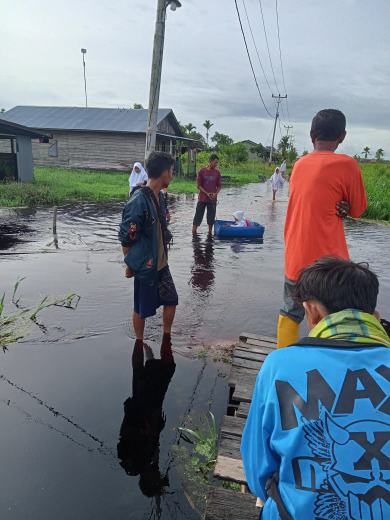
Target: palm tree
x=207, y=124
x=189, y=128
x=366, y=151
x=379, y=154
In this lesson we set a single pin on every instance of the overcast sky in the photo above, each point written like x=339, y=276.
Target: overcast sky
x=335, y=54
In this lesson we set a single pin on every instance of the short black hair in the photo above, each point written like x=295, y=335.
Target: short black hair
x=338, y=284
x=157, y=163
x=213, y=157
x=328, y=125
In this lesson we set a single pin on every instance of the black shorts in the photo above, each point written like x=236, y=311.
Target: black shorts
x=199, y=213
x=149, y=296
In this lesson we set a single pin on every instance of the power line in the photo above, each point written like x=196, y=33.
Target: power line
x=266, y=40
x=280, y=56
x=250, y=60
x=254, y=43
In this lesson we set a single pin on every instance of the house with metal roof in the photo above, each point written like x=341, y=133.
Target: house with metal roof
x=96, y=138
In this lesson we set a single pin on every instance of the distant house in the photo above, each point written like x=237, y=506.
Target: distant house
x=249, y=145
x=96, y=138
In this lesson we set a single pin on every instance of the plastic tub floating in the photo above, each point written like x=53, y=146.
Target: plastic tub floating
x=226, y=229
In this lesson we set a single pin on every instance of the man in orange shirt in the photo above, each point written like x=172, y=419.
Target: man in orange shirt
x=324, y=187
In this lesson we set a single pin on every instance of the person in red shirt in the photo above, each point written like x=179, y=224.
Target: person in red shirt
x=209, y=185
x=324, y=187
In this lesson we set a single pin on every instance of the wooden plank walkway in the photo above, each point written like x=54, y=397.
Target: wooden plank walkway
x=225, y=504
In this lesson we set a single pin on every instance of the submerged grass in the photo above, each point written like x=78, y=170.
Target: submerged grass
x=53, y=186
x=16, y=325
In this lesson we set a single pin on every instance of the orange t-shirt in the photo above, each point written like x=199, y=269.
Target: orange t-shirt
x=318, y=181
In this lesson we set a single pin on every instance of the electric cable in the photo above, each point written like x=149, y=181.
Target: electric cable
x=254, y=43
x=250, y=60
x=269, y=53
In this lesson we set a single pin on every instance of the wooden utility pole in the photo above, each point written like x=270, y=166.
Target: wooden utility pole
x=155, y=78
x=278, y=101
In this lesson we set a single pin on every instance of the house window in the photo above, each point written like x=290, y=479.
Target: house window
x=53, y=149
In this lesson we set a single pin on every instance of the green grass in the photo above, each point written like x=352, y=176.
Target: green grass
x=53, y=186
x=377, y=181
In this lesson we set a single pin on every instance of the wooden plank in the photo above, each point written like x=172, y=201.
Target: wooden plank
x=239, y=374
x=243, y=410
x=229, y=446
x=243, y=348
x=232, y=425
x=249, y=354
x=243, y=391
x=230, y=469
x=247, y=363
x=258, y=343
x=226, y=504
x=245, y=336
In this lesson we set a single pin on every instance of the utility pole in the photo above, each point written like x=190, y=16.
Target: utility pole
x=278, y=101
x=83, y=52
x=287, y=127
x=155, y=78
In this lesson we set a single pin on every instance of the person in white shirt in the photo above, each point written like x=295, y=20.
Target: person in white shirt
x=138, y=177
x=277, y=182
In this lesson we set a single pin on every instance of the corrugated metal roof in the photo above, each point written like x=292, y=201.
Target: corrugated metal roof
x=11, y=129
x=77, y=118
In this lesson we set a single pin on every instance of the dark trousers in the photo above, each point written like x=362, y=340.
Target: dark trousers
x=199, y=213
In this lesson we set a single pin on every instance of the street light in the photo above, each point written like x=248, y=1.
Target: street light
x=155, y=78
x=174, y=4
x=83, y=52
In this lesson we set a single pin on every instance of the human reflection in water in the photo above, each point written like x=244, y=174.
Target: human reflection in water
x=202, y=272
x=144, y=420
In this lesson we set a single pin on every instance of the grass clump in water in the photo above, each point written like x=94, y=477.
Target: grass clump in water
x=197, y=461
x=16, y=325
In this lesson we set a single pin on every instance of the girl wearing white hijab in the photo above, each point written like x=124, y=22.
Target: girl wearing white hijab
x=138, y=177
x=239, y=220
x=277, y=182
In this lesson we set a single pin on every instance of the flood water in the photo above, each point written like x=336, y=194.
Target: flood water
x=62, y=392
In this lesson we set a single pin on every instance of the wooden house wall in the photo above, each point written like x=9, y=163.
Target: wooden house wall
x=165, y=127
x=5, y=146
x=97, y=150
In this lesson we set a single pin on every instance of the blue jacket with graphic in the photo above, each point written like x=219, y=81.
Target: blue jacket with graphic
x=138, y=230
x=319, y=421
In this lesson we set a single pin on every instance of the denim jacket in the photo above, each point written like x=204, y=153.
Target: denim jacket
x=138, y=230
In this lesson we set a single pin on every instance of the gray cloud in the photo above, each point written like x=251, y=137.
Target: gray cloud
x=335, y=53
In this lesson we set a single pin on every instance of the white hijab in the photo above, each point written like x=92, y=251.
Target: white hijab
x=137, y=177
x=239, y=219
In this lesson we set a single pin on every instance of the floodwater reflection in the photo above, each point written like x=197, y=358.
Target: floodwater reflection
x=144, y=420
x=202, y=272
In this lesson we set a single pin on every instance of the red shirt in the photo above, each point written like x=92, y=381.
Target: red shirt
x=318, y=181
x=210, y=180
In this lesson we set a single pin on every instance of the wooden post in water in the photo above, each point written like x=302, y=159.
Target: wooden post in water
x=55, y=237
x=55, y=220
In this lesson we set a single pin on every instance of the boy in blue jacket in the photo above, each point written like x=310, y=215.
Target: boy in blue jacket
x=316, y=444
x=144, y=237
